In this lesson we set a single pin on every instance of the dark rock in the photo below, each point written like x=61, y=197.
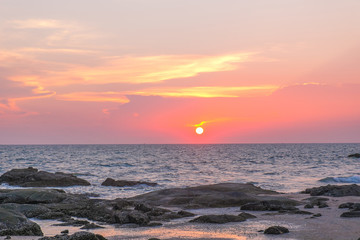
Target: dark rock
x=220, y=219
x=32, y=196
x=296, y=211
x=216, y=195
x=309, y=205
x=76, y=236
x=143, y=207
x=355, y=155
x=124, y=183
x=29, y=210
x=323, y=205
x=185, y=214
x=31, y=177
x=350, y=205
x=246, y=215
x=65, y=231
x=15, y=223
x=317, y=215
x=272, y=205
x=154, y=224
x=91, y=226
x=51, y=215
x=137, y=217
x=72, y=222
x=153, y=239
x=351, y=214
x=7, y=237
x=334, y=190
x=276, y=230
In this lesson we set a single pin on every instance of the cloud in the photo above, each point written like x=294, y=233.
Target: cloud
x=94, y=97
x=41, y=24
x=209, y=92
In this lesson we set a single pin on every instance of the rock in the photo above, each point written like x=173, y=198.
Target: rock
x=216, y=195
x=351, y=214
x=135, y=216
x=185, y=214
x=51, y=215
x=350, y=205
x=309, y=205
x=355, y=155
x=153, y=239
x=317, y=215
x=91, y=226
x=76, y=236
x=272, y=205
x=65, y=231
x=29, y=210
x=124, y=183
x=31, y=177
x=334, y=190
x=7, y=237
x=72, y=222
x=32, y=196
x=154, y=224
x=246, y=215
x=15, y=223
x=276, y=230
x=220, y=219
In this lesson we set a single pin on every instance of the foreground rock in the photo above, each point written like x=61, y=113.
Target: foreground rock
x=276, y=230
x=14, y=223
x=271, y=205
x=220, y=219
x=216, y=195
x=124, y=183
x=355, y=155
x=76, y=236
x=32, y=196
x=334, y=190
x=31, y=177
x=351, y=214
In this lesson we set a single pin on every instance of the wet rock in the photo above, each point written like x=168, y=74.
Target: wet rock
x=137, y=217
x=31, y=177
x=65, y=231
x=272, y=205
x=124, y=183
x=350, y=205
x=351, y=214
x=185, y=214
x=154, y=224
x=309, y=205
x=220, y=219
x=317, y=215
x=76, y=236
x=276, y=230
x=32, y=196
x=72, y=222
x=29, y=210
x=355, y=155
x=246, y=215
x=91, y=226
x=216, y=195
x=51, y=215
x=15, y=223
x=334, y=190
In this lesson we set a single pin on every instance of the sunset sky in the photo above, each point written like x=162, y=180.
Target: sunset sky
x=152, y=71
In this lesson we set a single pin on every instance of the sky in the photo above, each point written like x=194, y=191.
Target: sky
x=152, y=71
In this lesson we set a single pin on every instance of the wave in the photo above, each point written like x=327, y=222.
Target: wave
x=351, y=179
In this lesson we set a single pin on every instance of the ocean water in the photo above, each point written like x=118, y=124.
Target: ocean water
x=280, y=167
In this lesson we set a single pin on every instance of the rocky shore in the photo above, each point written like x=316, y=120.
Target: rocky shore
x=233, y=203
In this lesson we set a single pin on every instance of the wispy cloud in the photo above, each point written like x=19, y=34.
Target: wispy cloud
x=94, y=97
x=41, y=24
x=209, y=92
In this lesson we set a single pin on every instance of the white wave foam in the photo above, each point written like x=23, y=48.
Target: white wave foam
x=351, y=179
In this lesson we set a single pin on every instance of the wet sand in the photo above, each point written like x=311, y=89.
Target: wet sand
x=328, y=226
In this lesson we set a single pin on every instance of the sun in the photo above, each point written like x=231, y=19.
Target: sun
x=199, y=130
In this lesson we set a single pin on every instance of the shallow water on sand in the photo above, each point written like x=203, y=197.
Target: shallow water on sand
x=280, y=167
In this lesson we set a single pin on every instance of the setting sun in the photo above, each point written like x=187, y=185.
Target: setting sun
x=199, y=130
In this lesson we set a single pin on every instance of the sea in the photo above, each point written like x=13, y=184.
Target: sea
x=280, y=167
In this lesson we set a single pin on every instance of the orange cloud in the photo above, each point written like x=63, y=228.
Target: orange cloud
x=209, y=92
x=94, y=97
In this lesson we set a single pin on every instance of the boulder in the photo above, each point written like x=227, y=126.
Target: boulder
x=355, y=155
x=351, y=214
x=334, y=190
x=216, y=195
x=29, y=210
x=220, y=219
x=31, y=177
x=76, y=236
x=32, y=196
x=15, y=223
x=276, y=230
x=272, y=205
x=124, y=183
